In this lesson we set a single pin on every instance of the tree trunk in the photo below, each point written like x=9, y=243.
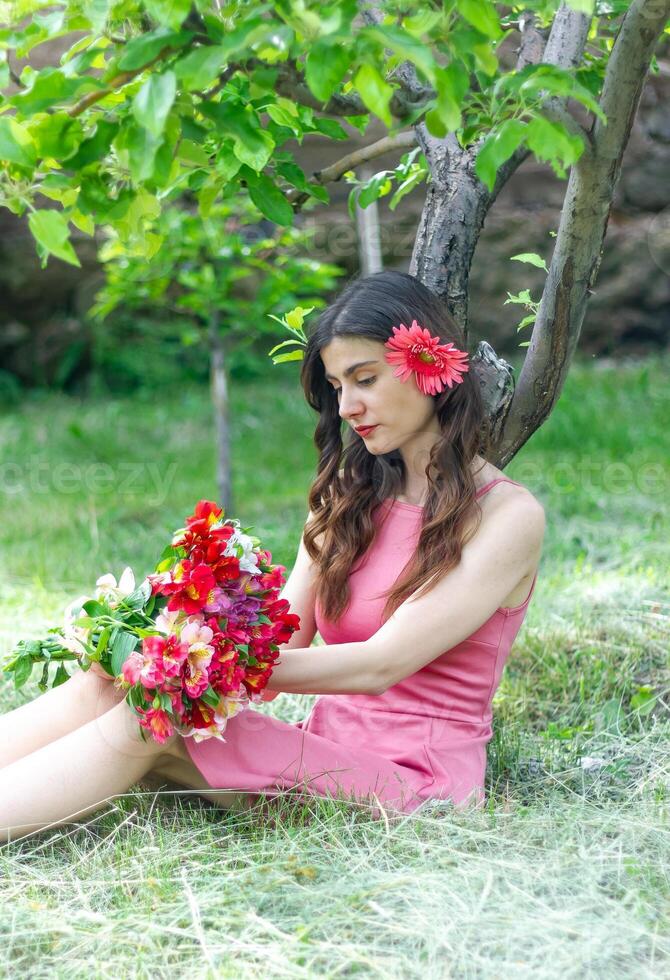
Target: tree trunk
x=581, y=232
x=369, y=241
x=219, y=390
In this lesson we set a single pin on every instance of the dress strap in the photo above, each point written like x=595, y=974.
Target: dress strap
x=492, y=483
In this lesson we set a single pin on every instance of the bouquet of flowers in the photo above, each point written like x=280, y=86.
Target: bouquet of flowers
x=193, y=645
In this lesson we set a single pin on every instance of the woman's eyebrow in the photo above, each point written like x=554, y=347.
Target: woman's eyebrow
x=350, y=370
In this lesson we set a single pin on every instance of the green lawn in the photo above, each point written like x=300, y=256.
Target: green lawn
x=565, y=873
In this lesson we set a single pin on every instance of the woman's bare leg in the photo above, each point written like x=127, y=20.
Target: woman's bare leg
x=75, y=775
x=53, y=714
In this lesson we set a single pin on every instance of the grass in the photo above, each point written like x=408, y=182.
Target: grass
x=566, y=871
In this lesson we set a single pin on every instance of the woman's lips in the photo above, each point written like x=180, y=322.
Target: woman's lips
x=366, y=431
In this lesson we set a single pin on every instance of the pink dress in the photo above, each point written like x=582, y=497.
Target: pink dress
x=424, y=738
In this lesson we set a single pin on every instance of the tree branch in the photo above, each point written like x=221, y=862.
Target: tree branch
x=354, y=159
x=584, y=217
x=457, y=202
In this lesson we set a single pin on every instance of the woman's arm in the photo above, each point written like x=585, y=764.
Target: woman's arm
x=505, y=547
x=337, y=668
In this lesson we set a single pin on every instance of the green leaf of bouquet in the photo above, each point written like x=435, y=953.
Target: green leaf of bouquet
x=103, y=640
x=22, y=671
x=50, y=230
x=170, y=13
x=375, y=92
x=145, y=48
x=269, y=200
x=210, y=697
x=16, y=143
x=154, y=100
x=326, y=65
x=124, y=644
x=92, y=607
x=60, y=676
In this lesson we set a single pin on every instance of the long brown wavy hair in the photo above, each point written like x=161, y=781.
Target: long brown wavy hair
x=342, y=506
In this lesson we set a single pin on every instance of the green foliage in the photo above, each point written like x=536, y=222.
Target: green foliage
x=163, y=97
x=218, y=270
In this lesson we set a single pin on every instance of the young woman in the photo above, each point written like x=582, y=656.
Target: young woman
x=416, y=566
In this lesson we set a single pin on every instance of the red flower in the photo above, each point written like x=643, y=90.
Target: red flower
x=190, y=587
x=434, y=365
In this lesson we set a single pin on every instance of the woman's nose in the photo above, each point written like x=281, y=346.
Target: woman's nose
x=350, y=406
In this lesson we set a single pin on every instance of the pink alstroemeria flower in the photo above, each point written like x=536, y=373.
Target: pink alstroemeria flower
x=157, y=722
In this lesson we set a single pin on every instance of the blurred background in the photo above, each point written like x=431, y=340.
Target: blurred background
x=48, y=338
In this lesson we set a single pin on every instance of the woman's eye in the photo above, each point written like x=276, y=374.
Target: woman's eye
x=364, y=381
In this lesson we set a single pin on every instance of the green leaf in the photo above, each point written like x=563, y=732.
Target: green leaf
x=121, y=648
x=60, y=676
x=285, y=343
x=330, y=128
x=408, y=185
x=210, y=697
x=269, y=199
x=532, y=258
x=171, y=13
x=51, y=86
x=200, y=68
x=482, y=15
x=50, y=230
x=409, y=48
x=137, y=149
x=146, y=48
x=22, y=671
x=526, y=322
x=96, y=11
x=452, y=85
x=326, y=65
x=154, y=100
x=375, y=92
x=296, y=355
x=498, y=148
x=57, y=136
x=252, y=145
x=552, y=142
x=95, y=147
x=16, y=143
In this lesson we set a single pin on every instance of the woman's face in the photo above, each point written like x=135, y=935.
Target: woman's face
x=371, y=395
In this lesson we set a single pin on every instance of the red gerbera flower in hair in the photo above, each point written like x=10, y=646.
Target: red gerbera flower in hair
x=435, y=365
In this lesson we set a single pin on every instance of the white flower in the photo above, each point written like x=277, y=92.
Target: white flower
x=108, y=590
x=74, y=610
x=73, y=638
x=195, y=633
x=168, y=621
x=248, y=559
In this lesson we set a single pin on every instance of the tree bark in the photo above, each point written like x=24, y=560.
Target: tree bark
x=584, y=217
x=369, y=241
x=456, y=200
x=219, y=390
